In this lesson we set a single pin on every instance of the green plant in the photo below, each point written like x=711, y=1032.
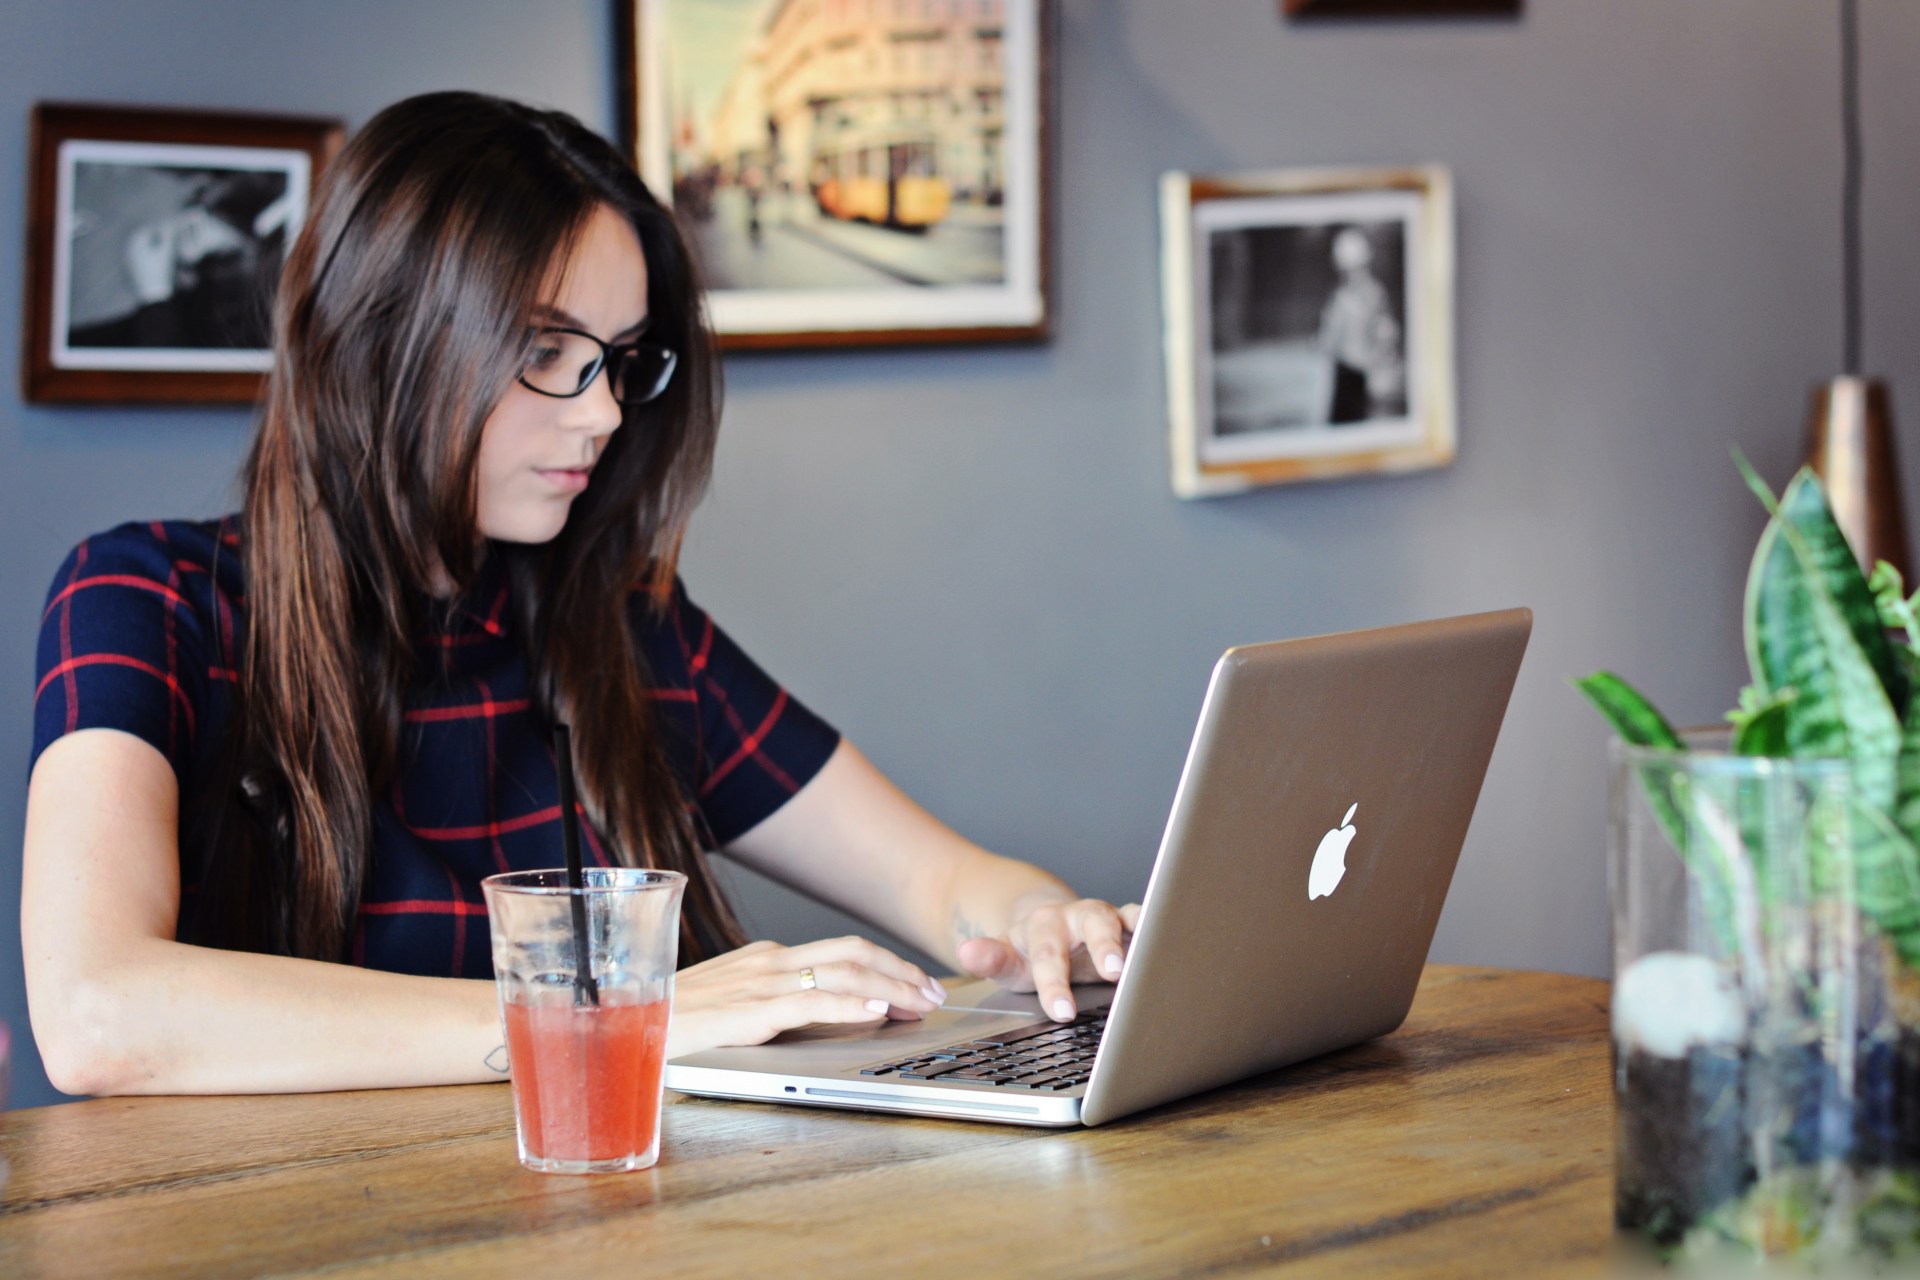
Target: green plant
x=1828, y=681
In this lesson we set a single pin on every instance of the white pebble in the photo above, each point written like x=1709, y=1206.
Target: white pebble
x=1669, y=1002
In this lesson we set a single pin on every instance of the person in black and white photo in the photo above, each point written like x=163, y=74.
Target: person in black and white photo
x=175, y=258
x=1358, y=329
x=1308, y=325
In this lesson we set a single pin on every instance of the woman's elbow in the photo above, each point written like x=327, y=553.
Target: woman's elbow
x=82, y=1037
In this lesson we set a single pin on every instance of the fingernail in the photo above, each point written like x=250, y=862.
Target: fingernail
x=1112, y=964
x=938, y=987
x=934, y=993
x=876, y=1006
x=1063, y=1008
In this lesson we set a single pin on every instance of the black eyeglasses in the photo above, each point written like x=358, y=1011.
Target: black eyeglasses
x=564, y=363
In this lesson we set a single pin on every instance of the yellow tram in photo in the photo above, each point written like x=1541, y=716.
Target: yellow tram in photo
x=884, y=175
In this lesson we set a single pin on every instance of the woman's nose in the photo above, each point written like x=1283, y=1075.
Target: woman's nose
x=594, y=410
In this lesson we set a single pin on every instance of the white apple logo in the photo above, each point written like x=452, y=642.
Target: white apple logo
x=1330, y=859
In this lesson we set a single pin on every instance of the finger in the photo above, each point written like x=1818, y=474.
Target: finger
x=996, y=959
x=1130, y=915
x=756, y=1021
x=871, y=955
x=1101, y=930
x=850, y=979
x=817, y=1007
x=1048, y=944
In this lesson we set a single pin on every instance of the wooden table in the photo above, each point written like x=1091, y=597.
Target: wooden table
x=1474, y=1141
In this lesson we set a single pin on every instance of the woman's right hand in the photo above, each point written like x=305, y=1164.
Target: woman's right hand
x=751, y=995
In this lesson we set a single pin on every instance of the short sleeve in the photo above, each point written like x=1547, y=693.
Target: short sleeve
x=756, y=744
x=122, y=646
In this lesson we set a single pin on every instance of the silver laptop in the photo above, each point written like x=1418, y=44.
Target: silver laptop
x=1313, y=835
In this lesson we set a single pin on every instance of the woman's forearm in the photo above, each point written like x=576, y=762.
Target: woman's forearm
x=165, y=1017
x=854, y=839
x=118, y=1006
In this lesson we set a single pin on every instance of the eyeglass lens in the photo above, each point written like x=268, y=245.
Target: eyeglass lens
x=565, y=363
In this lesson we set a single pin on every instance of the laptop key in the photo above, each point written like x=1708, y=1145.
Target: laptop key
x=933, y=1072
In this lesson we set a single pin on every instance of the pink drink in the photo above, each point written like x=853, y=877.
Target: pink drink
x=586, y=1082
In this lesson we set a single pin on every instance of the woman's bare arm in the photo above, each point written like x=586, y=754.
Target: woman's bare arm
x=119, y=1007
x=852, y=838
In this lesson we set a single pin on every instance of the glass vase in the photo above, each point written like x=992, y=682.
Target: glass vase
x=1766, y=1011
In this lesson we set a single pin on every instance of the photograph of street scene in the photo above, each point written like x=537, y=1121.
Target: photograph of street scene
x=849, y=163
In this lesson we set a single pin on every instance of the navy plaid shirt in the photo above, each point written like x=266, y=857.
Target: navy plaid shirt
x=139, y=635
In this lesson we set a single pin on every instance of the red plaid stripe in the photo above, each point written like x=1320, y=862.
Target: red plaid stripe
x=64, y=672
x=172, y=596
x=749, y=748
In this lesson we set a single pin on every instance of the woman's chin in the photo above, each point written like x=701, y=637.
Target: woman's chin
x=529, y=527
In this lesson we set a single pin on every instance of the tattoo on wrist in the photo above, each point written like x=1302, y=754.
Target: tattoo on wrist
x=964, y=928
x=497, y=1061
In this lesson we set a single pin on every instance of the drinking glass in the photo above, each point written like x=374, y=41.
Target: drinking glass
x=586, y=1065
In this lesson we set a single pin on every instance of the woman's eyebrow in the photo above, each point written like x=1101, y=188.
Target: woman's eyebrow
x=567, y=319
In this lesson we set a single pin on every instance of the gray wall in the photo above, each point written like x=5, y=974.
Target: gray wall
x=970, y=559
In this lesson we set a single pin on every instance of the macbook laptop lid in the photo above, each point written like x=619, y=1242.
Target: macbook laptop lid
x=1314, y=832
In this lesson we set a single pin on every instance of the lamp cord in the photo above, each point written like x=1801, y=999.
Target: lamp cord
x=1850, y=197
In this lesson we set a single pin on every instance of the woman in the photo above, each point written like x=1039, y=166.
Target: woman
x=301, y=735
x=1358, y=331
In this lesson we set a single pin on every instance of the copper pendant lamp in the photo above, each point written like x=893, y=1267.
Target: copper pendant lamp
x=1850, y=432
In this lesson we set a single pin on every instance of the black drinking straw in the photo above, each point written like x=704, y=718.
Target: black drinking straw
x=585, y=990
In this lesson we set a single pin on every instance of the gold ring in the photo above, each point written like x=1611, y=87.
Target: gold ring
x=807, y=981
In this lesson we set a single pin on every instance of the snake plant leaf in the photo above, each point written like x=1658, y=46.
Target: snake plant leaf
x=1815, y=540
x=1906, y=800
x=1640, y=724
x=1708, y=849
x=1806, y=613
x=1898, y=611
x=1637, y=721
x=1760, y=722
x=1887, y=879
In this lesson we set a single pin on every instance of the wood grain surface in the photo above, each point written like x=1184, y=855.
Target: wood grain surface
x=1476, y=1140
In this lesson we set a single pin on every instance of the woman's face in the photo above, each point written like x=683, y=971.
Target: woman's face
x=537, y=452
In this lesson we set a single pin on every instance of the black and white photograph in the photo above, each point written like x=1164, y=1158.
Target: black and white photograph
x=1309, y=325
x=166, y=256
x=165, y=233
x=1308, y=330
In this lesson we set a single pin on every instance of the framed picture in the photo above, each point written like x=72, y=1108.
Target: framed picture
x=1399, y=8
x=1309, y=324
x=154, y=242
x=850, y=171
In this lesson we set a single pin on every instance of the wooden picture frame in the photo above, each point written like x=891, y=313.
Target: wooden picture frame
x=1337, y=9
x=851, y=172
x=1308, y=324
x=154, y=239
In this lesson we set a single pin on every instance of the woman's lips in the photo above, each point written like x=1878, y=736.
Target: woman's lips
x=565, y=479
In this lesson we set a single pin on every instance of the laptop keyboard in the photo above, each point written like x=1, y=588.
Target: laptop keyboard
x=1045, y=1056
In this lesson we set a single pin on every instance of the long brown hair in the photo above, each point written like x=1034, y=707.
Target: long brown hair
x=401, y=319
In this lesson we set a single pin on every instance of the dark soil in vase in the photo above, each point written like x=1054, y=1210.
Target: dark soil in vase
x=1681, y=1139
x=1889, y=1109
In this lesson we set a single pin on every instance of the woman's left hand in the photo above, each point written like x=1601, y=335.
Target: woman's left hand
x=1053, y=945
